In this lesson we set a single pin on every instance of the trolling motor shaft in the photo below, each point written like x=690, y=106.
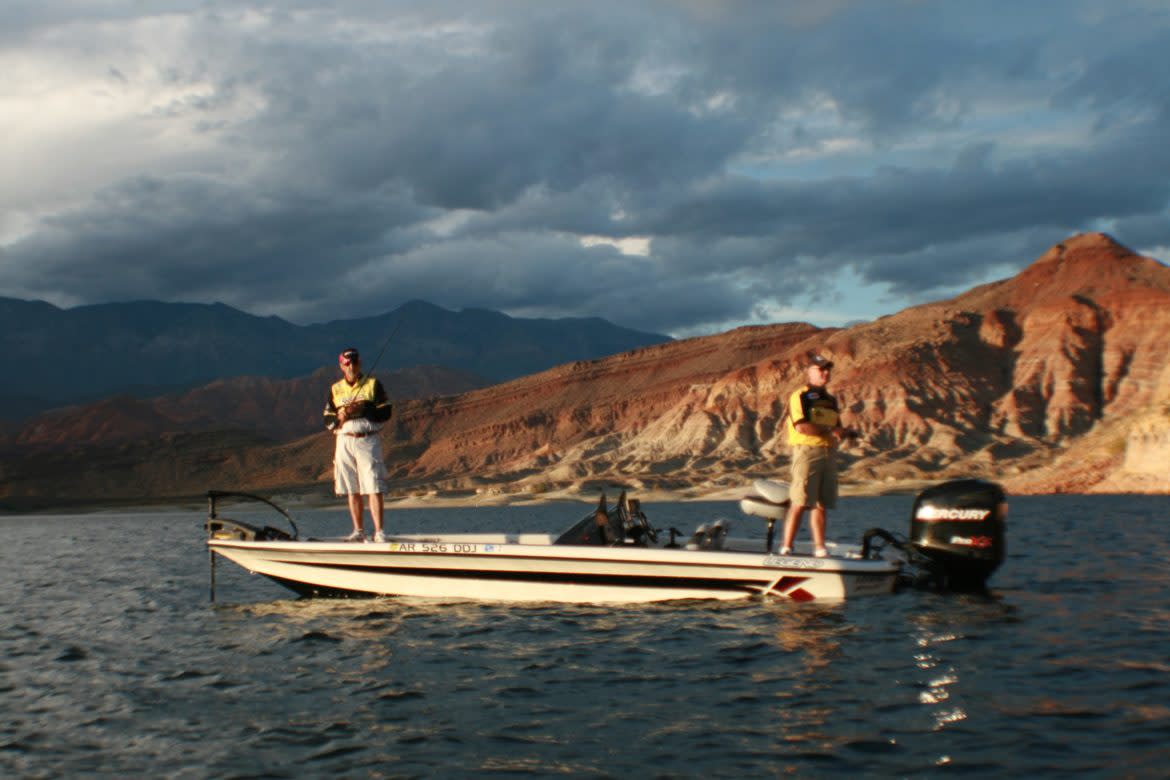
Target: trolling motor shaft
x=225, y=528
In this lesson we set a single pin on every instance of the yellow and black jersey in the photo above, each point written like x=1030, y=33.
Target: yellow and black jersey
x=368, y=393
x=814, y=405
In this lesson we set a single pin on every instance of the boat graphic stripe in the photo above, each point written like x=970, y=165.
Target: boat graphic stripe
x=626, y=580
x=281, y=553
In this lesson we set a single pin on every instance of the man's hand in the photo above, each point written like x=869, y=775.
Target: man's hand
x=352, y=411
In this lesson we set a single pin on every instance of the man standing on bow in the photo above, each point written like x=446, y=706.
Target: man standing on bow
x=814, y=431
x=355, y=411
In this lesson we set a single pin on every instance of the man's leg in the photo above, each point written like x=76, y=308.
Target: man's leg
x=355, y=510
x=802, y=494
x=816, y=522
x=376, y=511
x=828, y=500
x=791, y=526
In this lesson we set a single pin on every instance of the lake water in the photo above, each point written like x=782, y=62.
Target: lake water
x=113, y=663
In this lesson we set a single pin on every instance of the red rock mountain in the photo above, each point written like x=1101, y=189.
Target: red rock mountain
x=999, y=382
x=1054, y=380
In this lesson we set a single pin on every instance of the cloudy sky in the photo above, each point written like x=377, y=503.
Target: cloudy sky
x=682, y=167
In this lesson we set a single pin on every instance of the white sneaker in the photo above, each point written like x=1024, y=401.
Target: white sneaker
x=786, y=551
x=356, y=536
x=821, y=552
x=379, y=537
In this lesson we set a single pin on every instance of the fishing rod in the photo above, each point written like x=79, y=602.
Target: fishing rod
x=385, y=344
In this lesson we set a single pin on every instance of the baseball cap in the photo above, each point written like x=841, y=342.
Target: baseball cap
x=819, y=360
x=347, y=356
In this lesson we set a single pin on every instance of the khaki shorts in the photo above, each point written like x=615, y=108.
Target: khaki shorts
x=814, y=477
x=358, y=468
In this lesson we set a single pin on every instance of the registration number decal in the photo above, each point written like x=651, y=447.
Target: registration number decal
x=434, y=547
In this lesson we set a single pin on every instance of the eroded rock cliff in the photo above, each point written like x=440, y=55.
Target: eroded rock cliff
x=1001, y=382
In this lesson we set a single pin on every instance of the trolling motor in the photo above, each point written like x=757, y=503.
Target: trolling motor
x=957, y=535
x=223, y=528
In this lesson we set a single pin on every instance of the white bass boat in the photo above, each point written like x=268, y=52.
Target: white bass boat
x=614, y=555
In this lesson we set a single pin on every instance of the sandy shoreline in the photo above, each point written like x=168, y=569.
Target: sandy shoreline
x=320, y=498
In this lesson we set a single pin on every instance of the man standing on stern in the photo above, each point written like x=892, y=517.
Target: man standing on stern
x=814, y=431
x=356, y=409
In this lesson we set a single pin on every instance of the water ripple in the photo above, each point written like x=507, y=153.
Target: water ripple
x=1061, y=671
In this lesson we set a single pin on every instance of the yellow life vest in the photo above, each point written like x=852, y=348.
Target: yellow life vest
x=814, y=405
x=344, y=393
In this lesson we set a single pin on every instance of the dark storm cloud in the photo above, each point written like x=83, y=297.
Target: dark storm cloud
x=320, y=162
x=197, y=239
x=896, y=210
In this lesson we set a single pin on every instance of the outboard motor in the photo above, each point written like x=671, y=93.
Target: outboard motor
x=959, y=528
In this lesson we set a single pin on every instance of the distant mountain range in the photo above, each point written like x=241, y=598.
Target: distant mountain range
x=53, y=357
x=275, y=410
x=1055, y=380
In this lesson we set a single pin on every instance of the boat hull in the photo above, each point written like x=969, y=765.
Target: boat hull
x=527, y=568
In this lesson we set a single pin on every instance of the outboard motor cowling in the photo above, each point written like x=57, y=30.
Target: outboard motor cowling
x=959, y=527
